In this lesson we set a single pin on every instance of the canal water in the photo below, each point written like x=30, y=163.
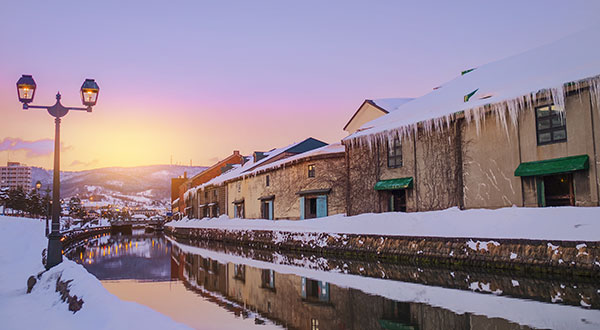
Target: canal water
x=214, y=286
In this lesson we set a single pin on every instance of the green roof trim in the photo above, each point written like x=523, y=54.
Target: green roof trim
x=394, y=184
x=468, y=96
x=392, y=325
x=462, y=73
x=553, y=166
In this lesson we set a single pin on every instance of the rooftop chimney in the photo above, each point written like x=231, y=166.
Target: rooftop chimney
x=258, y=155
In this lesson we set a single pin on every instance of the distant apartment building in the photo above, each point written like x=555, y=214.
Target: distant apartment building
x=15, y=175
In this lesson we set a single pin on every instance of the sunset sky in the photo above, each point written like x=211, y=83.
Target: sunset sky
x=195, y=80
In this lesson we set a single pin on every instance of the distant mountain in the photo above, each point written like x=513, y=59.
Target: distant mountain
x=141, y=184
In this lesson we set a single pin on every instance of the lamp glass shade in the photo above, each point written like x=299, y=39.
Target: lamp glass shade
x=89, y=92
x=38, y=185
x=26, y=88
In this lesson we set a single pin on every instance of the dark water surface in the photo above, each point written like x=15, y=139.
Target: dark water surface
x=224, y=287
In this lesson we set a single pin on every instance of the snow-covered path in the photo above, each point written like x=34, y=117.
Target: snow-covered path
x=21, y=243
x=552, y=223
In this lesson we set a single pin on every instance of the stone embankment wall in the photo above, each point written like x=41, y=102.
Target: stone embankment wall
x=542, y=256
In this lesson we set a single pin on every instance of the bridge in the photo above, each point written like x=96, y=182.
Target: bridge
x=135, y=222
x=126, y=225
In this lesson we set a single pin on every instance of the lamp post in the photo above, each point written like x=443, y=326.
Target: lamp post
x=48, y=204
x=38, y=186
x=89, y=94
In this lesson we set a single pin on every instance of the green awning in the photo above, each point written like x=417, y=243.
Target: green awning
x=394, y=184
x=553, y=166
x=393, y=325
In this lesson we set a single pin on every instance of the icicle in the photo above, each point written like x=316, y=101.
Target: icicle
x=558, y=97
x=595, y=92
x=511, y=108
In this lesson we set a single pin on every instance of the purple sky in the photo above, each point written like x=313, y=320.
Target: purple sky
x=199, y=79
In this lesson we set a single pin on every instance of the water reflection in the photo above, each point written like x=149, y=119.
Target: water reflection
x=139, y=256
x=311, y=292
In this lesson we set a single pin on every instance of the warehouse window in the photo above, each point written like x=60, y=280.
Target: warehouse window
x=395, y=154
x=311, y=171
x=551, y=125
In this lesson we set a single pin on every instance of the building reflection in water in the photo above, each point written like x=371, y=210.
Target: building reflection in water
x=297, y=302
x=266, y=298
x=146, y=256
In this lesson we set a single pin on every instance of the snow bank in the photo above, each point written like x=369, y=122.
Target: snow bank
x=21, y=243
x=552, y=223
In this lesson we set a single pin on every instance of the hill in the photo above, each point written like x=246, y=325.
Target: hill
x=142, y=184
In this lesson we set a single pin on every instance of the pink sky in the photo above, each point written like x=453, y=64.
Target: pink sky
x=196, y=80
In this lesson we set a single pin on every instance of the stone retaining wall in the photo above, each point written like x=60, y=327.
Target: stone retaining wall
x=543, y=256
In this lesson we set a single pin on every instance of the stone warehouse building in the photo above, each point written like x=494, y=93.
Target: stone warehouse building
x=522, y=131
x=308, y=185
x=187, y=200
x=302, y=180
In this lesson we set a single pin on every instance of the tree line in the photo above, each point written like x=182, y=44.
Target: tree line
x=23, y=202
x=31, y=203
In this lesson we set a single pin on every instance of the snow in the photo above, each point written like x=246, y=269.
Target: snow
x=115, y=183
x=251, y=168
x=21, y=243
x=325, y=150
x=504, y=87
x=239, y=170
x=553, y=247
x=525, y=312
x=552, y=223
x=92, y=188
x=479, y=245
x=391, y=104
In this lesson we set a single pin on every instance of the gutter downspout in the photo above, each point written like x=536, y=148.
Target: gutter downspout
x=520, y=160
x=594, y=145
x=416, y=171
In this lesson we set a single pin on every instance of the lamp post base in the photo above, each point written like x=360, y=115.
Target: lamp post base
x=54, y=250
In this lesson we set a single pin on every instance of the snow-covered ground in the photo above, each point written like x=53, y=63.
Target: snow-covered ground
x=21, y=243
x=559, y=223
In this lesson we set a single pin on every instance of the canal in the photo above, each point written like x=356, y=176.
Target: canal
x=214, y=286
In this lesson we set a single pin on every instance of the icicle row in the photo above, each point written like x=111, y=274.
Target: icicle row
x=477, y=115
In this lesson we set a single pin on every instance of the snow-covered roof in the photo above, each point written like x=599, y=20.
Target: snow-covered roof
x=391, y=104
x=505, y=87
x=250, y=167
x=328, y=149
x=238, y=170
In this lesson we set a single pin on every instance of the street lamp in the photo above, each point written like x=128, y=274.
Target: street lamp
x=89, y=95
x=48, y=205
x=38, y=186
